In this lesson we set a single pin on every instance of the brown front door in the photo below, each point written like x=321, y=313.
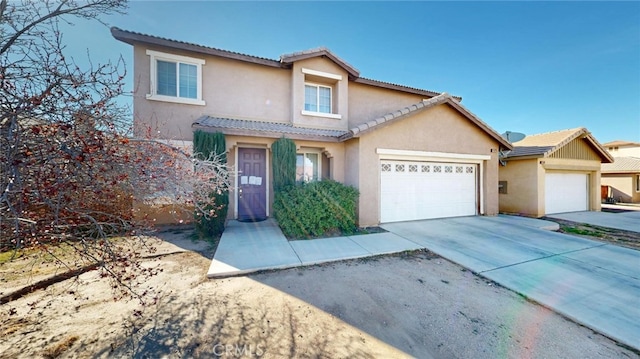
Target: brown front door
x=252, y=184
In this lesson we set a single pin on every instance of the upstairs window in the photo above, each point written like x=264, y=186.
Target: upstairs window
x=175, y=78
x=319, y=92
x=317, y=98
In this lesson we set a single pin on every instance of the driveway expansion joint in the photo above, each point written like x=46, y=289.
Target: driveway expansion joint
x=545, y=257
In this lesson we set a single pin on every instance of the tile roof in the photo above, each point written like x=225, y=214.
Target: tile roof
x=392, y=86
x=239, y=127
x=622, y=165
x=132, y=37
x=409, y=110
x=544, y=144
x=320, y=51
x=266, y=129
x=619, y=143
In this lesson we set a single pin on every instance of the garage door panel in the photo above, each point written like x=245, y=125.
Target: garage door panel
x=566, y=192
x=422, y=190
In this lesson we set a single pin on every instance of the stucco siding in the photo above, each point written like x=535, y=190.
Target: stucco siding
x=368, y=102
x=526, y=183
x=230, y=88
x=623, y=186
x=339, y=88
x=439, y=129
x=522, y=180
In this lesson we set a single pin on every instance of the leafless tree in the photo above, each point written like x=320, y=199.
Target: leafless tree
x=69, y=172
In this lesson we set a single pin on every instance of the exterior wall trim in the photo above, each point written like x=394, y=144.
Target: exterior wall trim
x=322, y=74
x=425, y=155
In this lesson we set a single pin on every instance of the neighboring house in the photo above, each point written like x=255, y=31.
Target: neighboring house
x=553, y=172
x=412, y=153
x=620, y=148
x=623, y=179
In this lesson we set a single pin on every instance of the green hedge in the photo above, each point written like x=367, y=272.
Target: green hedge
x=316, y=209
x=283, y=160
x=205, y=143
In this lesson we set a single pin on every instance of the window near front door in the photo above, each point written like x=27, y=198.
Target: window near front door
x=175, y=78
x=307, y=167
x=317, y=98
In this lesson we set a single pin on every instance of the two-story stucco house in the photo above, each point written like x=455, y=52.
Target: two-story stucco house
x=412, y=153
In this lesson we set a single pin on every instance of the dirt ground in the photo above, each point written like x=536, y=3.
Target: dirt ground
x=608, y=235
x=409, y=305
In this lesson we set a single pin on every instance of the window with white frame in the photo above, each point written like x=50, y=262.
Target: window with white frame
x=637, y=183
x=317, y=98
x=319, y=88
x=175, y=78
x=308, y=166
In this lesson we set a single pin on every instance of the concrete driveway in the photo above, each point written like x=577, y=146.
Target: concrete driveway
x=627, y=221
x=593, y=283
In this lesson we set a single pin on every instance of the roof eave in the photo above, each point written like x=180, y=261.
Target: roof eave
x=605, y=156
x=264, y=134
x=623, y=172
x=397, y=87
x=524, y=157
x=352, y=71
x=132, y=38
x=443, y=98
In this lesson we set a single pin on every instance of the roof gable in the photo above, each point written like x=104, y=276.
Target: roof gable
x=405, y=112
x=561, y=144
x=320, y=52
x=276, y=130
x=285, y=61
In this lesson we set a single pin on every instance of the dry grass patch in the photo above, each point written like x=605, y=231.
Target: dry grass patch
x=56, y=350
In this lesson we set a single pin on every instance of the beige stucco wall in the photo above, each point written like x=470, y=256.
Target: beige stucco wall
x=623, y=185
x=626, y=151
x=230, y=88
x=241, y=90
x=438, y=129
x=526, y=183
x=523, y=178
x=340, y=91
x=368, y=102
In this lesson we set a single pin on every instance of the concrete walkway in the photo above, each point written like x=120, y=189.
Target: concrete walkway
x=247, y=247
x=594, y=283
x=627, y=221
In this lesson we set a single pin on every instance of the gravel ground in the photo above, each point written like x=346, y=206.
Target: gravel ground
x=415, y=304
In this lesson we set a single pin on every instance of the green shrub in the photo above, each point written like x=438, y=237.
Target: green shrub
x=315, y=209
x=205, y=144
x=283, y=160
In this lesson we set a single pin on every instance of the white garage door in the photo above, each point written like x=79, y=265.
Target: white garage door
x=565, y=192
x=422, y=190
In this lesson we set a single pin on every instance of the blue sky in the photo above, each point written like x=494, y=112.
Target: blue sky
x=529, y=67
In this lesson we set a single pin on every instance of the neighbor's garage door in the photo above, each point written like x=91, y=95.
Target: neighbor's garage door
x=422, y=190
x=565, y=192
